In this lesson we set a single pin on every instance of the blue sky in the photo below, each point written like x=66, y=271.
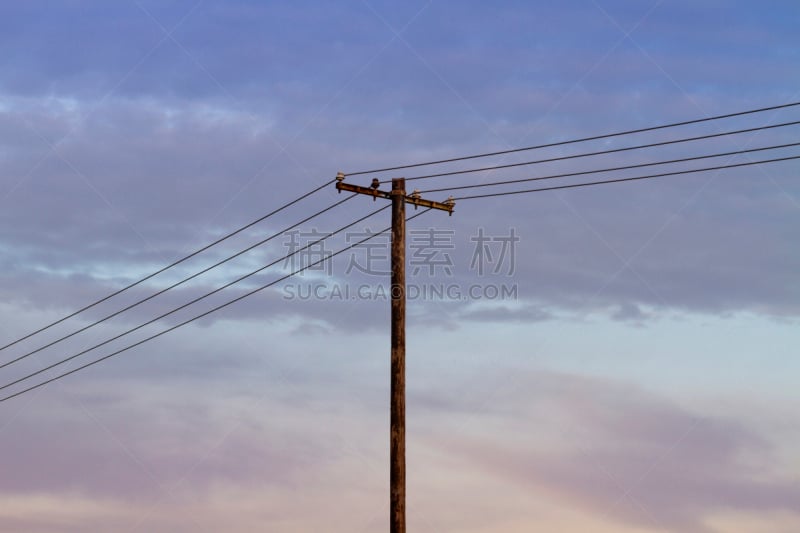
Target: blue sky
x=640, y=379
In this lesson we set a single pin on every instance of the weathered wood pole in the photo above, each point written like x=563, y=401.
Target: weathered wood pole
x=397, y=444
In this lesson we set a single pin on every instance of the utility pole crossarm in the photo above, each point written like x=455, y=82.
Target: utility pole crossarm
x=413, y=198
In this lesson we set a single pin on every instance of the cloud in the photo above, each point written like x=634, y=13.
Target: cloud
x=629, y=455
x=581, y=441
x=171, y=159
x=122, y=150
x=135, y=459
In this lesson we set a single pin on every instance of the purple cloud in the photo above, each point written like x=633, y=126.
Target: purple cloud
x=632, y=456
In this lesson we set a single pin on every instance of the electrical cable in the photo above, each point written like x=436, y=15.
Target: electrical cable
x=173, y=264
x=611, y=169
x=204, y=314
x=415, y=165
x=573, y=141
x=601, y=152
x=619, y=180
x=194, y=301
x=162, y=291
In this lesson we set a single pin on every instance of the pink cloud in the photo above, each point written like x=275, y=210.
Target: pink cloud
x=632, y=456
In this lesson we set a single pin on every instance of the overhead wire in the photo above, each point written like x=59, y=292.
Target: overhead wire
x=193, y=301
x=620, y=180
x=610, y=169
x=399, y=167
x=601, y=152
x=171, y=265
x=202, y=315
x=174, y=285
x=578, y=140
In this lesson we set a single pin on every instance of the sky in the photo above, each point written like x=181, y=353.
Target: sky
x=615, y=358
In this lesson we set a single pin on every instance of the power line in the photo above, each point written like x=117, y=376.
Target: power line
x=204, y=314
x=162, y=291
x=619, y=180
x=602, y=152
x=194, y=301
x=173, y=264
x=611, y=169
x=573, y=141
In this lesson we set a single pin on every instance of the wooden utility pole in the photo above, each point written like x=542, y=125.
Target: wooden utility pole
x=397, y=441
x=397, y=437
